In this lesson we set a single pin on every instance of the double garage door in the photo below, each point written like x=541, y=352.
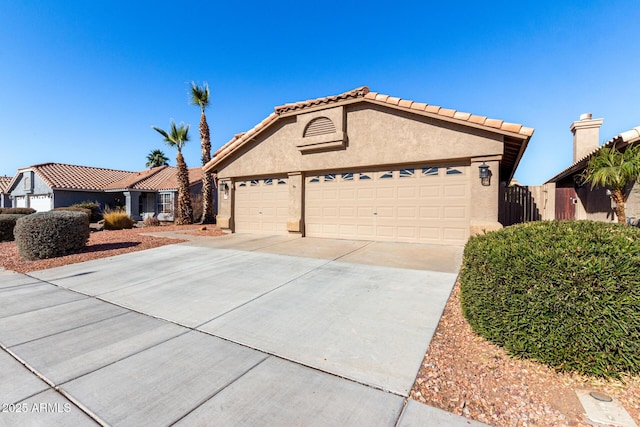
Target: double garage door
x=415, y=204
x=40, y=203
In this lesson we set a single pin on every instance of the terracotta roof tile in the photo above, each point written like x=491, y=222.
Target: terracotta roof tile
x=364, y=93
x=461, y=116
x=75, y=177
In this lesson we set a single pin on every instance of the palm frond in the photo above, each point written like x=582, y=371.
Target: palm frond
x=200, y=95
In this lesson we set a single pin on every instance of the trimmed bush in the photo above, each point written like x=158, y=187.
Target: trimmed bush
x=7, y=224
x=151, y=221
x=94, y=208
x=21, y=211
x=76, y=209
x=564, y=293
x=51, y=234
x=116, y=219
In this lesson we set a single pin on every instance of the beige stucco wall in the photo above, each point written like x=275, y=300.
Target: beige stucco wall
x=544, y=197
x=376, y=136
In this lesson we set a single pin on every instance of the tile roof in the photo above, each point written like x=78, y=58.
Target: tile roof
x=625, y=138
x=4, y=183
x=76, y=177
x=363, y=93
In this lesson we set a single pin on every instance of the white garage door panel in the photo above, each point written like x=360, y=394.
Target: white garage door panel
x=427, y=204
x=262, y=206
x=40, y=203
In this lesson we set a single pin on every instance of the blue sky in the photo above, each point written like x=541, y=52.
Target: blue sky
x=82, y=82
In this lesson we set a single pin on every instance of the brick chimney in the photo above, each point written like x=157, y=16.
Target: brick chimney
x=586, y=136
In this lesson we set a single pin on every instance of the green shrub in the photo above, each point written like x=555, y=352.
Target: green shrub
x=7, y=224
x=116, y=219
x=94, y=208
x=565, y=293
x=21, y=211
x=51, y=234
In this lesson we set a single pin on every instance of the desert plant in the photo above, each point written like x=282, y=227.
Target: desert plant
x=51, y=234
x=156, y=158
x=177, y=137
x=151, y=221
x=22, y=211
x=565, y=293
x=87, y=212
x=116, y=219
x=614, y=169
x=93, y=206
x=7, y=224
x=200, y=97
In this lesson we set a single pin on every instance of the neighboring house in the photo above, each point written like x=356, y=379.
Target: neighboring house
x=566, y=196
x=362, y=165
x=146, y=193
x=5, y=200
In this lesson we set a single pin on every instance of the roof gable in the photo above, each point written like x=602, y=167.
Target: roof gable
x=516, y=135
x=4, y=183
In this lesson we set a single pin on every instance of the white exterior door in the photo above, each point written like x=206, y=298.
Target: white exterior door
x=41, y=203
x=262, y=206
x=415, y=204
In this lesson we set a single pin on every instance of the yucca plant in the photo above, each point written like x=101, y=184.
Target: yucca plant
x=200, y=97
x=177, y=137
x=614, y=169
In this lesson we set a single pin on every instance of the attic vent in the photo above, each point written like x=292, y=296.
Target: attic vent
x=319, y=126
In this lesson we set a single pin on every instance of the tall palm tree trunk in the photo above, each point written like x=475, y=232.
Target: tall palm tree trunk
x=207, y=195
x=185, y=211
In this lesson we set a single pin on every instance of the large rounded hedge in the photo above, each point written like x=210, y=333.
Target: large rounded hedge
x=565, y=293
x=51, y=234
x=7, y=224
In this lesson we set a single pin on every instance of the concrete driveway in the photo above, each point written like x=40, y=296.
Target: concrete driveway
x=236, y=330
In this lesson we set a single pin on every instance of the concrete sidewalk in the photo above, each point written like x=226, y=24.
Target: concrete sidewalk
x=240, y=334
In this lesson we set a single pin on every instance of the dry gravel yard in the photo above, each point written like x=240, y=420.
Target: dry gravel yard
x=461, y=373
x=464, y=374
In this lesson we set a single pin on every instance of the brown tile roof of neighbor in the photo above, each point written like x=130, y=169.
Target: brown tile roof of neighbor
x=4, y=183
x=621, y=140
x=76, y=177
x=363, y=93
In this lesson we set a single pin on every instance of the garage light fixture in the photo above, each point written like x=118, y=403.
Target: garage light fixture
x=485, y=174
x=225, y=190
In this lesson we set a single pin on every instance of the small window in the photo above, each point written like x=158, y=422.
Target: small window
x=453, y=171
x=386, y=175
x=407, y=173
x=254, y=182
x=364, y=176
x=330, y=177
x=429, y=171
x=281, y=181
x=242, y=184
x=268, y=181
x=347, y=176
x=314, y=179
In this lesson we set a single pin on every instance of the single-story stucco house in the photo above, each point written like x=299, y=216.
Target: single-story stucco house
x=5, y=200
x=566, y=196
x=151, y=192
x=363, y=165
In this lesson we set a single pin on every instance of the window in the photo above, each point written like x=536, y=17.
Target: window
x=430, y=171
x=165, y=203
x=254, y=182
x=242, y=184
x=453, y=171
x=407, y=173
x=281, y=181
x=314, y=179
x=268, y=181
x=386, y=175
x=347, y=176
x=330, y=177
x=364, y=176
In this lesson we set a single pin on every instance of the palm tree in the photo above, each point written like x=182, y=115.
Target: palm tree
x=614, y=170
x=178, y=136
x=156, y=158
x=200, y=96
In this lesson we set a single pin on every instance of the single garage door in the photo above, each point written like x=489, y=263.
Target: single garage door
x=416, y=204
x=262, y=206
x=40, y=203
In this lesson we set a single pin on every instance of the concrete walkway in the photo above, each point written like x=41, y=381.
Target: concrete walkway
x=236, y=330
